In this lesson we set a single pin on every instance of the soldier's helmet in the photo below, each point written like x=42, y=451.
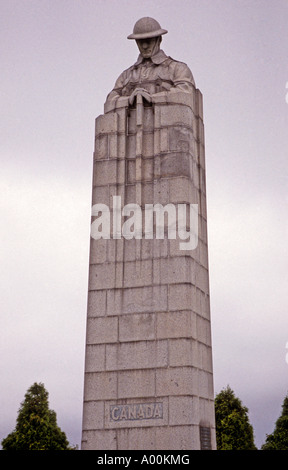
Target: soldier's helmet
x=146, y=28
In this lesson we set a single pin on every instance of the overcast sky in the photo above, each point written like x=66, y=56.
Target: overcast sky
x=59, y=60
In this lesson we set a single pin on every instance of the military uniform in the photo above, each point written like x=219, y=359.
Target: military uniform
x=156, y=74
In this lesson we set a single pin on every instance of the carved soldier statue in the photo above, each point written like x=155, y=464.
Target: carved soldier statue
x=154, y=73
x=148, y=366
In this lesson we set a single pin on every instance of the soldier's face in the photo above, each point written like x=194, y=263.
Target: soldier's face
x=148, y=47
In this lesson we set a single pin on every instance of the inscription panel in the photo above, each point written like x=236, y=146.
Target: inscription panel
x=205, y=438
x=136, y=411
x=135, y=414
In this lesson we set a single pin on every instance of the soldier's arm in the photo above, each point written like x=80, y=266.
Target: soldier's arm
x=182, y=79
x=115, y=95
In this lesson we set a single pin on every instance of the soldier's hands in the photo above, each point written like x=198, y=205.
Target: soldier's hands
x=142, y=92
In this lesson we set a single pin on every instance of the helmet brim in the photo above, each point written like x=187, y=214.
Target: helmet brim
x=152, y=34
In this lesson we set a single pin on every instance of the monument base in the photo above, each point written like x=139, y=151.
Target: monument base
x=148, y=369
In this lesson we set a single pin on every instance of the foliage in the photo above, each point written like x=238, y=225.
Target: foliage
x=36, y=427
x=233, y=430
x=278, y=440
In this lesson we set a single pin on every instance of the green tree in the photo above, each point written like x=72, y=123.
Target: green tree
x=278, y=440
x=36, y=426
x=233, y=430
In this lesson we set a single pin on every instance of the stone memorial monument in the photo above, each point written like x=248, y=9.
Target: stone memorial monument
x=148, y=367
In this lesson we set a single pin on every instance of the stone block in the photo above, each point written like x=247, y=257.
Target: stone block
x=114, y=301
x=113, y=145
x=160, y=248
x=145, y=249
x=137, y=300
x=176, y=324
x=131, y=171
x=131, y=128
x=137, y=355
x=96, y=303
x=101, y=276
x=183, y=352
x=181, y=191
x=131, y=249
x=200, y=131
x=161, y=192
x=207, y=409
x=106, y=123
x=177, y=438
x=121, y=146
x=203, y=330
x=101, y=147
x=93, y=415
x=202, y=229
x=100, y=195
x=102, y=330
x=203, y=255
x=172, y=115
x=174, y=249
x=181, y=297
x=199, y=104
x=106, y=275
x=136, y=383
x=183, y=98
x=148, y=144
x=131, y=146
x=157, y=117
x=147, y=169
x=148, y=119
x=160, y=98
x=164, y=145
x=98, y=250
x=205, y=305
x=139, y=173
x=136, y=438
x=122, y=120
x=205, y=381
x=200, y=151
x=138, y=273
x=157, y=140
x=176, y=164
x=99, y=440
x=116, y=190
x=115, y=250
x=157, y=165
x=177, y=381
x=109, y=172
x=100, y=386
x=205, y=357
x=95, y=358
x=147, y=193
x=197, y=304
x=202, y=278
x=137, y=327
x=181, y=139
x=183, y=410
x=174, y=270
x=130, y=194
x=202, y=182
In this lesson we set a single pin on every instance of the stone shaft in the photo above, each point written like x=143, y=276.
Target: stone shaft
x=148, y=367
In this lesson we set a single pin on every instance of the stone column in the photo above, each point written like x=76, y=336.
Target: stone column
x=148, y=368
